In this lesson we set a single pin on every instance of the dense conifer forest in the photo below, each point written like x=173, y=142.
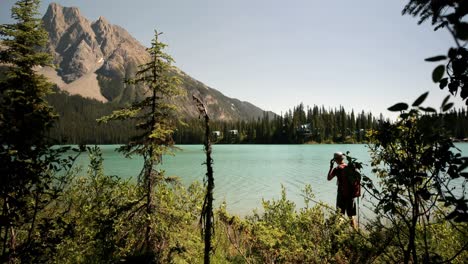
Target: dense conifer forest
x=302, y=124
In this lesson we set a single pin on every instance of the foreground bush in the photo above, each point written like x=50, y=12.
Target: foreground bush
x=317, y=234
x=99, y=221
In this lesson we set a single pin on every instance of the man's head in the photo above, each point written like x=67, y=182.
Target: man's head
x=338, y=157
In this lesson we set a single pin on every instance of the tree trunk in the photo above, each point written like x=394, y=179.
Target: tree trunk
x=207, y=210
x=210, y=187
x=149, y=243
x=411, y=249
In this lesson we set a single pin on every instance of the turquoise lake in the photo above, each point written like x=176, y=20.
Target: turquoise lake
x=246, y=174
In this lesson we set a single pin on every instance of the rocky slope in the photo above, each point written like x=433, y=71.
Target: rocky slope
x=93, y=59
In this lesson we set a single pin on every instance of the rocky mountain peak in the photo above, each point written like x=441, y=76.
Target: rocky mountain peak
x=58, y=18
x=80, y=47
x=94, y=58
x=105, y=35
x=72, y=42
x=102, y=20
x=71, y=14
x=101, y=26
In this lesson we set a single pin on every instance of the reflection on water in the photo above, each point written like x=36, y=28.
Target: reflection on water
x=246, y=174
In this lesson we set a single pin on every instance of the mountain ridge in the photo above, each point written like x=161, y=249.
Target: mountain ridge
x=93, y=58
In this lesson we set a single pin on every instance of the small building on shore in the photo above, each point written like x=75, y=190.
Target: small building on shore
x=304, y=129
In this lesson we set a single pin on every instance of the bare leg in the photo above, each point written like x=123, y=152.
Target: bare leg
x=353, y=222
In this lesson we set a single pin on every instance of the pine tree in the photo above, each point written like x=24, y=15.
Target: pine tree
x=156, y=120
x=27, y=163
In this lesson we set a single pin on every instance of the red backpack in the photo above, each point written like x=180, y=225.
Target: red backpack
x=349, y=181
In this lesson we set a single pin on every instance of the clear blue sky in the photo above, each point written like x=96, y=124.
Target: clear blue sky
x=363, y=55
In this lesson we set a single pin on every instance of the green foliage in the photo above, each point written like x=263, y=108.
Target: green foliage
x=323, y=126
x=154, y=115
x=445, y=240
x=421, y=99
x=398, y=107
x=438, y=73
x=102, y=220
x=97, y=215
x=317, y=234
x=284, y=234
x=449, y=15
x=414, y=160
x=49, y=216
x=280, y=234
x=155, y=120
x=29, y=181
x=436, y=58
x=77, y=121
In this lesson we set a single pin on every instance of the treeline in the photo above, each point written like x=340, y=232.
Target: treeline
x=299, y=125
x=77, y=124
x=77, y=121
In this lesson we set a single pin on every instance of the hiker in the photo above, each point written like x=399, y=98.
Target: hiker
x=345, y=194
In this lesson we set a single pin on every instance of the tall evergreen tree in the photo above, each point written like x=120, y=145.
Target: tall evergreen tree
x=27, y=163
x=156, y=119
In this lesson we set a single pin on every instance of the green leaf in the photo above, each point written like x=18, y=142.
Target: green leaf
x=425, y=194
x=445, y=101
x=461, y=30
x=420, y=99
x=447, y=107
x=443, y=82
x=404, y=115
x=428, y=109
x=388, y=207
x=398, y=107
x=452, y=53
x=438, y=73
x=463, y=166
x=436, y=58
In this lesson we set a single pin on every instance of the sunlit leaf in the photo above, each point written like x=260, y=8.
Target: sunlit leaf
x=398, y=107
x=436, y=58
x=438, y=73
x=420, y=99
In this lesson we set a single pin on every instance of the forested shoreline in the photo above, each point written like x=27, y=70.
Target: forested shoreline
x=303, y=124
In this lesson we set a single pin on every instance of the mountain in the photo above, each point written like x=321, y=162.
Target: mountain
x=93, y=58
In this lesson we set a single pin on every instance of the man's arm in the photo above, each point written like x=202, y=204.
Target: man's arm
x=330, y=171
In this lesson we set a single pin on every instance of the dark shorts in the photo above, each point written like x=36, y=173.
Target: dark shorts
x=346, y=205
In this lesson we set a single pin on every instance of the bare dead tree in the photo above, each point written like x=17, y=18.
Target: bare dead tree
x=206, y=219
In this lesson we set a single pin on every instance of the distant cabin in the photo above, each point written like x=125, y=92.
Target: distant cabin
x=305, y=129
x=216, y=133
x=233, y=132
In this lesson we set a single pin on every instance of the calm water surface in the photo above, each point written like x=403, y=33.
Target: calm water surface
x=246, y=174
